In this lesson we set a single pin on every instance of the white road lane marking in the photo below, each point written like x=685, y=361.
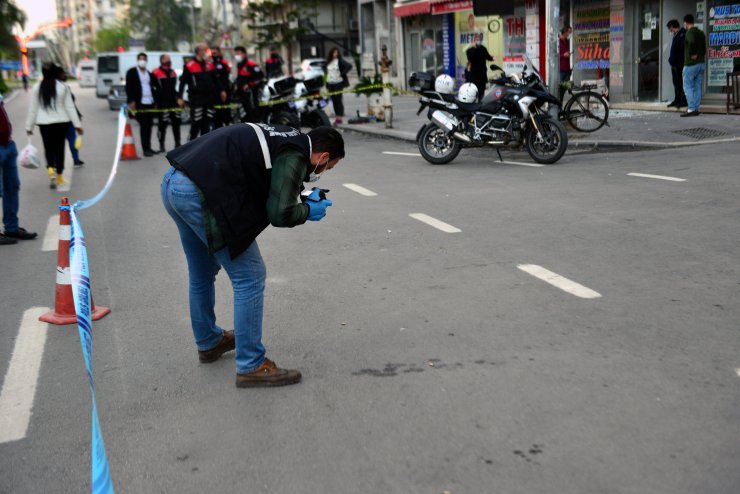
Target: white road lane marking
x=402, y=154
x=51, y=237
x=360, y=190
x=67, y=175
x=439, y=225
x=558, y=281
x=737, y=371
x=519, y=163
x=659, y=177
x=19, y=386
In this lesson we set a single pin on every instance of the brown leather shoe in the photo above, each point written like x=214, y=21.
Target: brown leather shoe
x=267, y=375
x=225, y=345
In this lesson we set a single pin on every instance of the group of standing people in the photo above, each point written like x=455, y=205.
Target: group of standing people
x=687, y=60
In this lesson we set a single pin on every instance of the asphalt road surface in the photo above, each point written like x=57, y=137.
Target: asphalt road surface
x=560, y=329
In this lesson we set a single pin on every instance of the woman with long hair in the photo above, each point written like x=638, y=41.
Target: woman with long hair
x=52, y=109
x=336, y=80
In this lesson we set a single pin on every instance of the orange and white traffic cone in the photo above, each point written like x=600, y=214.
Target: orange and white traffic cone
x=64, y=304
x=128, y=151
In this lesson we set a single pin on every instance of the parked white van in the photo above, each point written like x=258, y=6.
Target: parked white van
x=86, y=73
x=112, y=67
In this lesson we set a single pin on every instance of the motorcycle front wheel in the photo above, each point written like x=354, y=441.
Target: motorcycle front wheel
x=436, y=146
x=550, y=144
x=315, y=118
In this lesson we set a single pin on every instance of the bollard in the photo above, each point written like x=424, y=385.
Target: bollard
x=385, y=73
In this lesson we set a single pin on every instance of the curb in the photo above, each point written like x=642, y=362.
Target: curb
x=406, y=136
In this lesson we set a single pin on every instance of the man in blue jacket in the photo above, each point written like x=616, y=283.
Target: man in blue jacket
x=675, y=60
x=222, y=191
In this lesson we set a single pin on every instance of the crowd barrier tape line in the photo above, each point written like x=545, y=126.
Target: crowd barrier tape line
x=101, y=482
x=328, y=94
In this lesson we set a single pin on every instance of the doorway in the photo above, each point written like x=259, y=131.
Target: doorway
x=649, y=52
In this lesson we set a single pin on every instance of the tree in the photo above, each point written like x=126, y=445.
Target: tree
x=162, y=22
x=110, y=38
x=278, y=23
x=10, y=16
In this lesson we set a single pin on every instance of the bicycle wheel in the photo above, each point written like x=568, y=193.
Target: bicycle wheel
x=587, y=111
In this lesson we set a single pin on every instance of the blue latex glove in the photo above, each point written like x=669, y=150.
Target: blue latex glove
x=317, y=209
x=314, y=195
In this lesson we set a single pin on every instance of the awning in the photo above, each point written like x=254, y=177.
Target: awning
x=411, y=8
x=447, y=6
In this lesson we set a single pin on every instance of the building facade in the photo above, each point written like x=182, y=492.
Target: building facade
x=624, y=43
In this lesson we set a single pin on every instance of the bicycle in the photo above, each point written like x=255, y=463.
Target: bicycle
x=586, y=110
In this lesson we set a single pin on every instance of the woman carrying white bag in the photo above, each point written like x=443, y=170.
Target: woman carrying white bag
x=52, y=109
x=10, y=184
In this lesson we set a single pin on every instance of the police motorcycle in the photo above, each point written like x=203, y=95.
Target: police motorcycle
x=512, y=115
x=275, y=105
x=311, y=109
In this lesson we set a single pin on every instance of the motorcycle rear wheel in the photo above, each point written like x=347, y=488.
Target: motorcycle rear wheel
x=436, y=146
x=553, y=142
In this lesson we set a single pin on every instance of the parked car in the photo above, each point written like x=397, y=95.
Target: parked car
x=117, y=97
x=86, y=74
x=311, y=67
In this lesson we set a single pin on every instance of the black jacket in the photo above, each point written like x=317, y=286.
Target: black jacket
x=133, y=86
x=230, y=167
x=202, y=82
x=675, y=59
x=477, y=57
x=166, y=87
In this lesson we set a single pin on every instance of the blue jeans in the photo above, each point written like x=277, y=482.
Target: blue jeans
x=71, y=137
x=10, y=185
x=246, y=272
x=693, y=76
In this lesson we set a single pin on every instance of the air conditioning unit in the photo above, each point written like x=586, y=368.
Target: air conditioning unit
x=353, y=25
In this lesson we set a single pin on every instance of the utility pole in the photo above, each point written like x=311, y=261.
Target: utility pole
x=192, y=23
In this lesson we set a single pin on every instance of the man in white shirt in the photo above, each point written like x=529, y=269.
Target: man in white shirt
x=141, y=90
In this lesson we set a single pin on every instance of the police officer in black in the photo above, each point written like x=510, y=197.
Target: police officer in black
x=248, y=77
x=223, y=71
x=167, y=82
x=199, y=76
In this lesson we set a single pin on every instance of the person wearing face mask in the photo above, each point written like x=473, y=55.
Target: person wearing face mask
x=478, y=57
x=166, y=79
x=248, y=76
x=141, y=90
x=222, y=190
x=200, y=78
x=222, y=116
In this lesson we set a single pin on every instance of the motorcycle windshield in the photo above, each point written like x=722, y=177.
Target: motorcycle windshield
x=530, y=67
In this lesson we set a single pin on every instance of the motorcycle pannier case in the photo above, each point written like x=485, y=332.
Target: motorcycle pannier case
x=314, y=84
x=421, y=81
x=284, y=85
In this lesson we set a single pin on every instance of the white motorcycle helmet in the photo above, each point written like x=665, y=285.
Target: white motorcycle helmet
x=468, y=93
x=444, y=84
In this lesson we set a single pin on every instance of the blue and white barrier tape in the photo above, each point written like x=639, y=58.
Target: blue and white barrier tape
x=101, y=480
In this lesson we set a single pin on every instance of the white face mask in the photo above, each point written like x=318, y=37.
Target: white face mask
x=141, y=63
x=313, y=176
x=238, y=58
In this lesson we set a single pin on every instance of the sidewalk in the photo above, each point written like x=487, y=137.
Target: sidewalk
x=627, y=128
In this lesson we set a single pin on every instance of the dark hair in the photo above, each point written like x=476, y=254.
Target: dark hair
x=142, y=54
x=161, y=57
x=566, y=29
x=327, y=140
x=688, y=19
x=48, y=86
x=329, y=58
x=673, y=23
x=241, y=49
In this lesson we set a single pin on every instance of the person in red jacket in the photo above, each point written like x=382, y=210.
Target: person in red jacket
x=223, y=71
x=248, y=77
x=199, y=76
x=166, y=80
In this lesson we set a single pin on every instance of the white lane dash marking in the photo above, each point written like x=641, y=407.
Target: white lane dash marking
x=737, y=371
x=67, y=176
x=558, y=281
x=360, y=190
x=659, y=177
x=51, y=237
x=439, y=225
x=519, y=163
x=19, y=387
x=402, y=154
